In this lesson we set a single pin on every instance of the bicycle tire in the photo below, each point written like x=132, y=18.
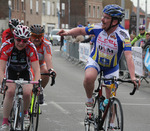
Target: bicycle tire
x=17, y=116
x=34, y=115
x=114, y=115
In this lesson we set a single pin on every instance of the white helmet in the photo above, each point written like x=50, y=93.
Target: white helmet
x=22, y=31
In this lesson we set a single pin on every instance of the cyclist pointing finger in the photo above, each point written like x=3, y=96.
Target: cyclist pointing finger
x=111, y=39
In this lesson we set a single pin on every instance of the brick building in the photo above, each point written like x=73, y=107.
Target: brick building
x=83, y=11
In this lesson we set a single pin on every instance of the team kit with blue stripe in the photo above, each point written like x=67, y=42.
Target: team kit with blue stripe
x=107, y=50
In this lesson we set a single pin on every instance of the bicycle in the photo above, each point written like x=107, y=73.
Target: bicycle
x=34, y=110
x=111, y=113
x=16, y=118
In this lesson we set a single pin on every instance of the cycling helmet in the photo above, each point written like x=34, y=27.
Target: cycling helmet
x=37, y=29
x=115, y=11
x=13, y=23
x=22, y=31
x=142, y=27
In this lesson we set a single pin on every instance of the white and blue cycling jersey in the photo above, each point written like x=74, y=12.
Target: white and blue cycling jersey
x=108, y=49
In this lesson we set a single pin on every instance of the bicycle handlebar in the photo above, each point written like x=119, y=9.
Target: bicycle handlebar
x=53, y=74
x=121, y=80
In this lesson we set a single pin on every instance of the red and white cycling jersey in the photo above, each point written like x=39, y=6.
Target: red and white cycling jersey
x=16, y=59
x=7, y=34
x=43, y=48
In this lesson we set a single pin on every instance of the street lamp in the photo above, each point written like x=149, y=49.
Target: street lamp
x=9, y=5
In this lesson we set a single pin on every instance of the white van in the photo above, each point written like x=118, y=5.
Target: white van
x=55, y=38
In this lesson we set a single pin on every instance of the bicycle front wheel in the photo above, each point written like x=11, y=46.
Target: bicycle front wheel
x=17, y=116
x=34, y=114
x=114, y=118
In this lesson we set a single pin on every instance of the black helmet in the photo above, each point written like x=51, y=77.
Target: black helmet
x=115, y=11
x=37, y=29
x=13, y=23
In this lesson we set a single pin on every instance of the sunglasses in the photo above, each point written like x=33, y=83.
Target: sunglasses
x=36, y=36
x=141, y=29
x=21, y=40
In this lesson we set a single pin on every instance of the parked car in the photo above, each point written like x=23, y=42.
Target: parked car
x=54, y=38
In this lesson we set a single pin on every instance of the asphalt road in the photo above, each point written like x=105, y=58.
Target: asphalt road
x=64, y=108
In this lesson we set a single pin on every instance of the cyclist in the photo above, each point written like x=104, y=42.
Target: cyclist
x=142, y=35
x=45, y=55
x=16, y=57
x=110, y=40
x=8, y=33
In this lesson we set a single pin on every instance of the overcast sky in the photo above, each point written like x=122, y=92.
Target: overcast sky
x=142, y=4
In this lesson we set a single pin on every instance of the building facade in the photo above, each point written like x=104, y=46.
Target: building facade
x=73, y=12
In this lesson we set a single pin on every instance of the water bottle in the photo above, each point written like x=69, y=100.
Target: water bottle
x=103, y=104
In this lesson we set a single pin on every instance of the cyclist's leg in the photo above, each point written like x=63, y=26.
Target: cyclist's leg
x=7, y=106
x=91, y=72
x=109, y=73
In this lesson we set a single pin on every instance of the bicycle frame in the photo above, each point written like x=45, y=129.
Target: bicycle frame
x=99, y=119
x=18, y=98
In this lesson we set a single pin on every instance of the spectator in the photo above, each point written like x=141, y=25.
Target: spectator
x=147, y=45
x=62, y=42
x=141, y=35
x=78, y=39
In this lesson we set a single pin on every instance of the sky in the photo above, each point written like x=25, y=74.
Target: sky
x=142, y=4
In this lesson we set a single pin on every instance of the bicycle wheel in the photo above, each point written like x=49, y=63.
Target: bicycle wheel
x=34, y=114
x=93, y=124
x=17, y=116
x=114, y=118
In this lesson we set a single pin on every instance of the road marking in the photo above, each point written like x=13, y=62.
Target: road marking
x=135, y=104
x=83, y=103
x=56, y=50
x=59, y=107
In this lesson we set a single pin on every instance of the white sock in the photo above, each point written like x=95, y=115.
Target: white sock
x=111, y=124
x=90, y=100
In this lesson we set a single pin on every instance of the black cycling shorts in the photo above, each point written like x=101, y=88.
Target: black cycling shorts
x=15, y=75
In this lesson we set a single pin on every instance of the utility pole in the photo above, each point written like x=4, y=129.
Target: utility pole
x=123, y=6
x=146, y=15
x=137, y=21
x=69, y=14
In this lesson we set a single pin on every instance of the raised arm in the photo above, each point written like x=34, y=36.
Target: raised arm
x=73, y=32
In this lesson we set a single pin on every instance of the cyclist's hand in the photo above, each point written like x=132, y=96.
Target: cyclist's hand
x=137, y=83
x=52, y=75
x=62, y=33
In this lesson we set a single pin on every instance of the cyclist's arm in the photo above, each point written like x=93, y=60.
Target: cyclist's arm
x=48, y=60
x=73, y=32
x=36, y=69
x=130, y=64
x=134, y=40
x=2, y=69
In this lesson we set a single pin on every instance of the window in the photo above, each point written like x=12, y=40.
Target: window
x=93, y=11
x=89, y=14
x=44, y=12
x=13, y=4
x=126, y=13
x=48, y=8
x=22, y=5
x=18, y=5
x=98, y=12
x=31, y=6
x=37, y=6
x=53, y=8
x=63, y=9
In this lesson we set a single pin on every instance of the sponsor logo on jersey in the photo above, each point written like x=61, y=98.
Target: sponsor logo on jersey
x=31, y=54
